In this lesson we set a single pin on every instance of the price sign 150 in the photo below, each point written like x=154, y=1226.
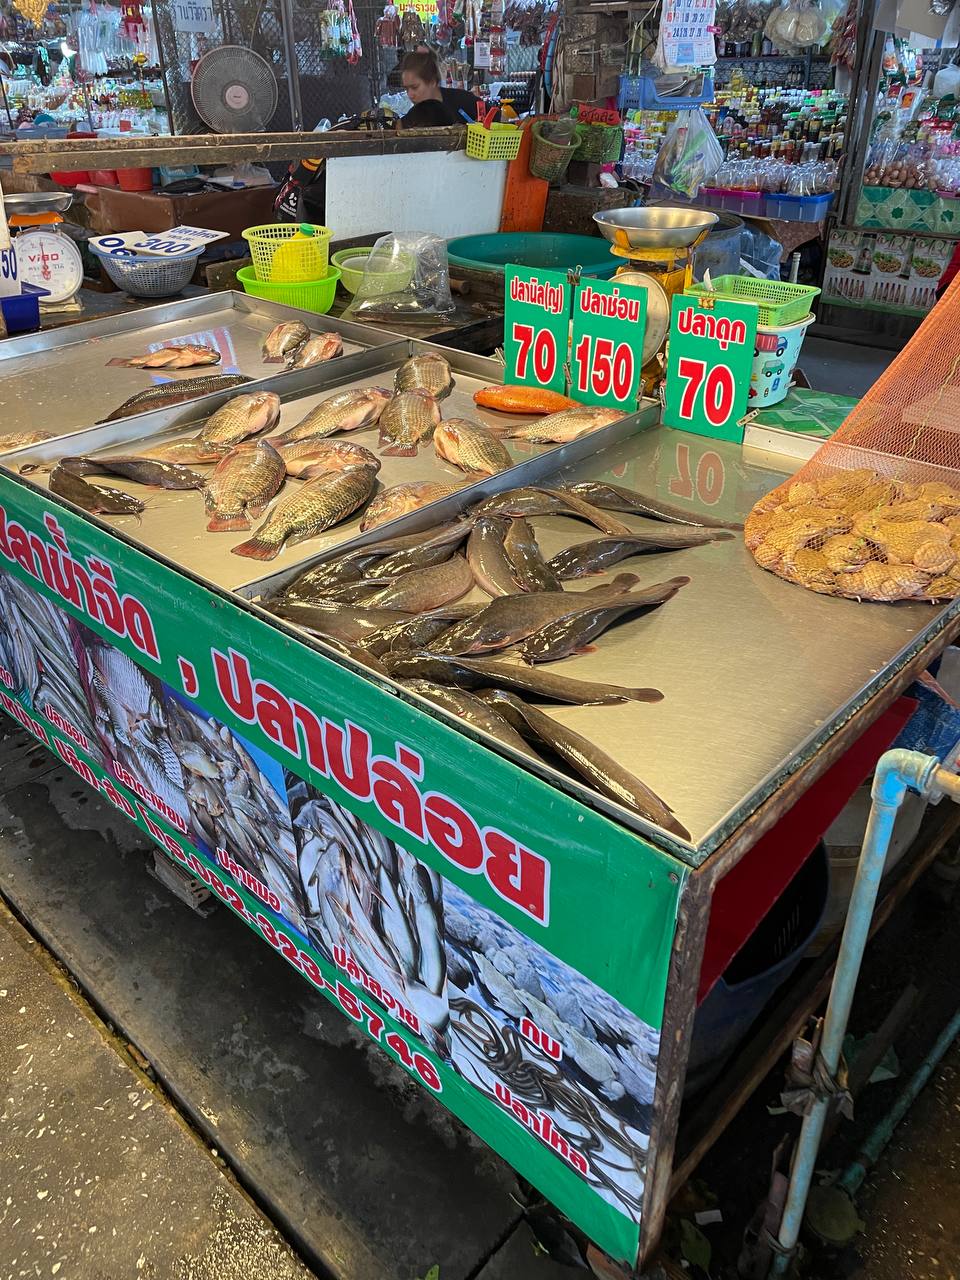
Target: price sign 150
x=609, y=320
x=709, y=364
x=536, y=321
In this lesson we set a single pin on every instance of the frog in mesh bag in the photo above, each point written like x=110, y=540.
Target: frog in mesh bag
x=858, y=534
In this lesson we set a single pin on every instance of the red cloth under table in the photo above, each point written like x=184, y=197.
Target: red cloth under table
x=746, y=893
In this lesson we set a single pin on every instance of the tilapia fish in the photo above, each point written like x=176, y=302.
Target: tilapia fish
x=614, y=497
x=242, y=485
x=549, y=502
x=169, y=393
x=471, y=447
x=600, y=554
x=430, y=372
x=241, y=417
x=183, y=355
x=526, y=562
x=401, y=499
x=573, y=633
x=343, y=411
x=284, y=341
x=20, y=439
x=316, y=350
x=585, y=757
x=147, y=471
x=424, y=589
x=488, y=559
x=408, y=419
x=509, y=619
x=482, y=673
x=96, y=498
x=310, y=458
x=319, y=504
x=560, y=428
x=472, y=711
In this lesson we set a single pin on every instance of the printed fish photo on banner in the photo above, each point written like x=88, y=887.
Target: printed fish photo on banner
x=374, y=911
x=237, y=806
x=44, y=665
x=563, y=1057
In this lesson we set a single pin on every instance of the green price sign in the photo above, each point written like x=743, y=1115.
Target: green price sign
x=709, y=365
x=535, y=327
x=609, y=320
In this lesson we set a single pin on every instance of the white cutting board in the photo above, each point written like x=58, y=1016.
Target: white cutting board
x=438, y=192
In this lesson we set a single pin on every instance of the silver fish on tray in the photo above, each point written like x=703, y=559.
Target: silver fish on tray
x=284, y=341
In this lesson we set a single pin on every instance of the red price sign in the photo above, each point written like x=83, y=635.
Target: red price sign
x=609, y=320
x=535, y=324
x=709, y=363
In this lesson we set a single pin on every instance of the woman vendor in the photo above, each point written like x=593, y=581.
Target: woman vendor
x=433, y=106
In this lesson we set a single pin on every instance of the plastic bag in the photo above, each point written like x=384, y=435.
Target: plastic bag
x=689, y=155
x=405, y=276
x=796, y=25
x=761, y=251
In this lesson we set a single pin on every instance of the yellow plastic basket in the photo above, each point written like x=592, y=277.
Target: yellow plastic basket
x=289, y=254
x=499, y=142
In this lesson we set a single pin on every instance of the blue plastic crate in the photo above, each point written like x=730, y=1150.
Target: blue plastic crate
x=639, y=93
x=21, y=311
x=797, y=208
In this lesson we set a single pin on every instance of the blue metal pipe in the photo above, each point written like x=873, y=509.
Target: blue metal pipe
x=896, y=770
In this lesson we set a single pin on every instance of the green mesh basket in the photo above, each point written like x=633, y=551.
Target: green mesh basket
x=599, y=143
x=777, y=302
x=548, y=159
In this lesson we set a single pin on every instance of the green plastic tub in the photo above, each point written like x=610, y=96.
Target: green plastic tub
x=351, y=264
x=311, y=295
x=533, y=249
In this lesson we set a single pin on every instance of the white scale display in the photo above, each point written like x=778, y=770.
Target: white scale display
x=48, y=258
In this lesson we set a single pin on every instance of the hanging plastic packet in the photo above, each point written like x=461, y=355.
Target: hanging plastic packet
x=404, y=277
x=690, y=154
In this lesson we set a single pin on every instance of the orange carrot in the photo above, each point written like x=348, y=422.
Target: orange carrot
x=518, y=399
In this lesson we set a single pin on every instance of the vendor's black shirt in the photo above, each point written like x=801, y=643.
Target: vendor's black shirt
x=433, y=115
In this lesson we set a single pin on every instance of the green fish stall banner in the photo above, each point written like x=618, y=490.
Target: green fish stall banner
x=709, y=363
x=506, y=945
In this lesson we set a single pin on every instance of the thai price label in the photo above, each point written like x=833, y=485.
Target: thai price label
x=609, y=321
x=535, y=327
x=162, y=244
x=709, y=363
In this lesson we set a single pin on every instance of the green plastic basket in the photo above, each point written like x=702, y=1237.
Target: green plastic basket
x=312, y=295
x=548, y=159
x=599, y=143
x=777, y=302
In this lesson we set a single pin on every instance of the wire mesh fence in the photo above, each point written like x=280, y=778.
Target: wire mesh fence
x=314, y=83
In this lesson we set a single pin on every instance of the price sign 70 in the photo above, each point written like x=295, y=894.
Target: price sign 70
x=536, y=319
x=609, y=320
x=708, y=367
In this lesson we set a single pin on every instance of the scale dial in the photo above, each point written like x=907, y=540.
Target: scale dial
x=50, y=260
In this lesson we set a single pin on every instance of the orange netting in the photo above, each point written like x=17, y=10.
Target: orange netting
x=875, y=513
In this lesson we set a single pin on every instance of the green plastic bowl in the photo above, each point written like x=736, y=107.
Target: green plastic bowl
x=309, y=295
x=352, y=265
x=533, y=249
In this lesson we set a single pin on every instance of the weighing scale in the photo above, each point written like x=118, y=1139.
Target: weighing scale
x=46, y=256
x=657, y=244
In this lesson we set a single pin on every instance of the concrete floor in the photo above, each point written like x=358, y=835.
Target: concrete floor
x=99, y=1176
x=842, y=368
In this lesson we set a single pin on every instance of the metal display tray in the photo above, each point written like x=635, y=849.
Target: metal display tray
x=174, y=523
x=59, y=381
x=756, y=673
